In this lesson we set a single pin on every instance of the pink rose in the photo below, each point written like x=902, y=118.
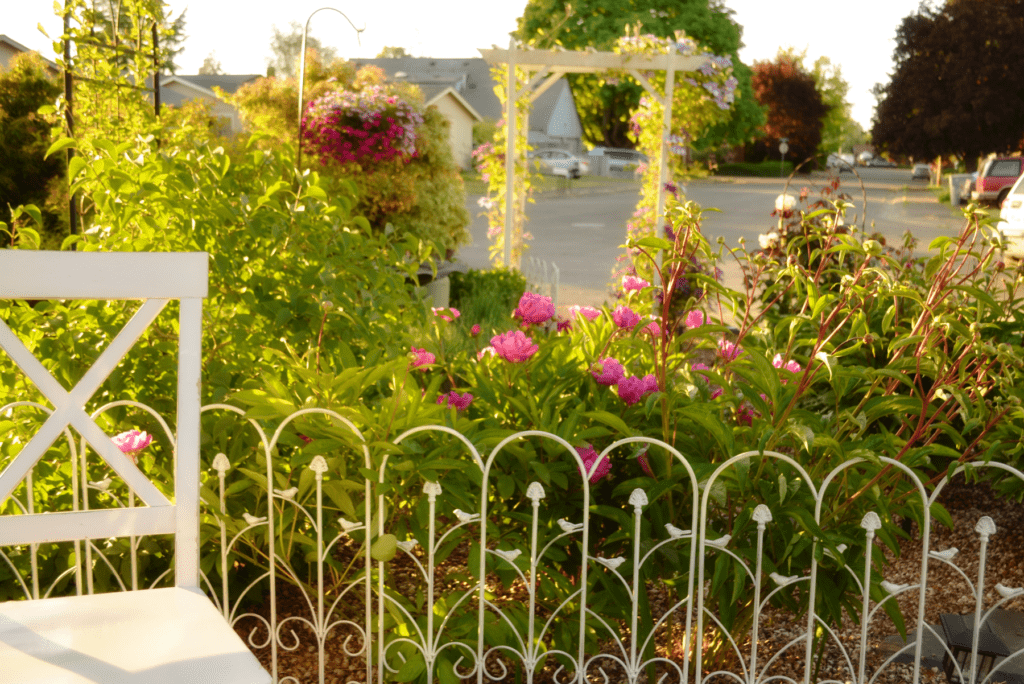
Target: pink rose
x=534, y=308
x=607, y=371
x=446, y=314
x=589, y=457
x=514, y=346
x=631, y=283
x=625, y=318
x=695, y=318
x=457, y=401
x=585, y=311
x=475, y=330
x=421, y=358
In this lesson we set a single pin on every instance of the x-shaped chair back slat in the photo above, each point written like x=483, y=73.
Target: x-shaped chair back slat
x=156, y=278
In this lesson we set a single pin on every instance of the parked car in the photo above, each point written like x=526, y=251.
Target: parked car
x=559, y=163
x=920, y=171
x=619, y=159
x=1011, y=219
x=995, y=179
x=840, y=162
x=878, y=162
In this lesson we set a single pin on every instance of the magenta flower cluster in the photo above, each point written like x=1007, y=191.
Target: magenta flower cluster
x=589, y=457
x=459, y=402
x=366, y=126
x=514, y=346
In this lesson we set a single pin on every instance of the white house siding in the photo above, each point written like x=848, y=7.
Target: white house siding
x=460, y=134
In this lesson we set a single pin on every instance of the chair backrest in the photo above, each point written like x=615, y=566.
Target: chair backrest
x=156, y=278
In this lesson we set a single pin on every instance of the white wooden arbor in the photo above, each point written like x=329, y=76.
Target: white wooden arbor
x=547, y=66
x=166, y=635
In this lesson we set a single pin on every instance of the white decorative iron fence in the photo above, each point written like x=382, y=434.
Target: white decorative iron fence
x=542, y=278
x=424, y=559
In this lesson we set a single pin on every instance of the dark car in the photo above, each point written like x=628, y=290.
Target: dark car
x=995, y=178
x=881, y=163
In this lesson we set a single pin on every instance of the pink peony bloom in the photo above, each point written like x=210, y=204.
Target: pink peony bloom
x=745, y=414
x=791, y=366
x=607, y=371
x=422, y=358
x=728, y=350
x=589, y=456
x=564, y=324
x=631, y=389
x=625, y=318
x=650, y=383
x=586, y=311
x=631, y=283
x=457, y=401
x=444, y=314
x=653, y=329
x=486, y=351
x=514, y=346
x=534, y=308
x=700, y=367
x=716, y=391
x=695, y=318
x=131, y=443
x=475, y=330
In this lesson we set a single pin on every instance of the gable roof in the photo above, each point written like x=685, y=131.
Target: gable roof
x=15, y=46
x=470, y=78
x=432, y=94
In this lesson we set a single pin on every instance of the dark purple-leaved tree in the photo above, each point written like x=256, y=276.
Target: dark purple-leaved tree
x=795, y=109
x=957, y=88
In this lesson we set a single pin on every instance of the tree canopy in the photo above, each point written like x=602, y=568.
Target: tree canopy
x=286, y=48
x=957, y=88
x=795, y=108
x=605, y=104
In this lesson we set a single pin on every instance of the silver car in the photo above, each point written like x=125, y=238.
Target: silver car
x=559, y=163
x=921, y=172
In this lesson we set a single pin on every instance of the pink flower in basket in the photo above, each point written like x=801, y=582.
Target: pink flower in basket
x=132, y=443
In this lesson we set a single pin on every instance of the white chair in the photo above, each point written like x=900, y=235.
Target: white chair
x=157, y=635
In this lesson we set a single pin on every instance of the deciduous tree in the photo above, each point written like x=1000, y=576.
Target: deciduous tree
x=605, y=104
x=795, y=109
x=957, y=88
x=286, y=47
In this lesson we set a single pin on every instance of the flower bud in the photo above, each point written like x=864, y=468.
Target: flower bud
x=327, y=305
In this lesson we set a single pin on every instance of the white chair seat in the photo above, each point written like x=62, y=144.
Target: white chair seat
x=172, y=636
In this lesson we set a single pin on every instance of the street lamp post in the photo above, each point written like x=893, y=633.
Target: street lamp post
x=302, y=71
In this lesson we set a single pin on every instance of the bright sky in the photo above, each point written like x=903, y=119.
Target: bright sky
x=859, y=39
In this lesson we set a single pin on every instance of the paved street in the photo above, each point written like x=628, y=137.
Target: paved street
x=582, y=234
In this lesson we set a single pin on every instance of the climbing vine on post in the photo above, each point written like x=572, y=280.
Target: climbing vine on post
x=700, y=99
x=490, y=162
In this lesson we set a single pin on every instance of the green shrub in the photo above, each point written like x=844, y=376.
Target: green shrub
x=487, y=298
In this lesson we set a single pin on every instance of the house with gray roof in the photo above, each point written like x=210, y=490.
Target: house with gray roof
x=10, y=47
x=554, y=121
x=176, y=89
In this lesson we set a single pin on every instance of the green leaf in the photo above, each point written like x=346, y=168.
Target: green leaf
x=411, y=669
x=611, y=420
x=59, y=145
